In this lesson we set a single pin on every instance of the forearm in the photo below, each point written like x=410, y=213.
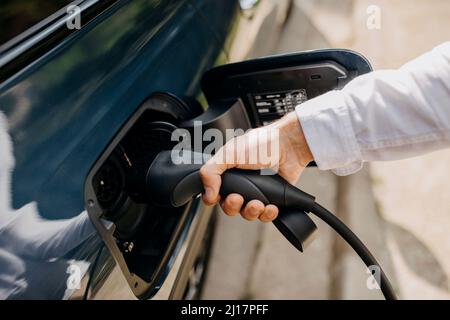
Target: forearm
x=384, y=115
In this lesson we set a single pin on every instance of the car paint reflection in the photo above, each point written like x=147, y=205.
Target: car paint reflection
x=32, y=248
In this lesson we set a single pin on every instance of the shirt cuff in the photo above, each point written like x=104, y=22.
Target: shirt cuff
x=328, y=130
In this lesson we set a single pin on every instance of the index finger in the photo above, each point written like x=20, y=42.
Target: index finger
x=211, y=172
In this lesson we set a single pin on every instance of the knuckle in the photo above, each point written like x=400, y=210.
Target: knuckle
x=203, y=172
x=249, y=207
x=270, y=213
x=207, y=201
x=229, y=202
x=251, y=212
x=257, y=205
x=228, y=208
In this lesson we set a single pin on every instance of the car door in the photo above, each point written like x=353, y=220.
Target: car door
x=65, y=93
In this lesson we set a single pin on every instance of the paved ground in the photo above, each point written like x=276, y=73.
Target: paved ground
x=401, y=209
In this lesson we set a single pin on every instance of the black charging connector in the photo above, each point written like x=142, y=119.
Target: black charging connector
x=174, y=183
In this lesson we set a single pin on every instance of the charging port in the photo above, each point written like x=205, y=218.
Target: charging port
x=143, y=236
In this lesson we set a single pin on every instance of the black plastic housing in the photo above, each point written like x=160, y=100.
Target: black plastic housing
x=316, y=72
x=172, y=183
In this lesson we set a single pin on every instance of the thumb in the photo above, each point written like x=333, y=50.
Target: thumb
x=210, y=174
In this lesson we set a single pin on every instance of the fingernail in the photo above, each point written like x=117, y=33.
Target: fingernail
x=254, y=212
x=235, y=207
x=271, y=215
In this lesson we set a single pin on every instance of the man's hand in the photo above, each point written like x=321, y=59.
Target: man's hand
x=292, y=156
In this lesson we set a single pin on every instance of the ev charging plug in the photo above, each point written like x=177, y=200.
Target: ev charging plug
x=171, y=184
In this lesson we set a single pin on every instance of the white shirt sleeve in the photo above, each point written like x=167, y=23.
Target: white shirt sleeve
x=383, y=115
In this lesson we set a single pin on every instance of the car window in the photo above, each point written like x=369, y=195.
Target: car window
x=18, y=16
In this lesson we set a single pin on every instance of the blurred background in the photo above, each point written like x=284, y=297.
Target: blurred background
x=400, y=209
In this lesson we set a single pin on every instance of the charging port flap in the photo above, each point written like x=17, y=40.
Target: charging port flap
x=269, y=87
x=142, y=237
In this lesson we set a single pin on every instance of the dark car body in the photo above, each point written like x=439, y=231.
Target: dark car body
x=63, y=97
